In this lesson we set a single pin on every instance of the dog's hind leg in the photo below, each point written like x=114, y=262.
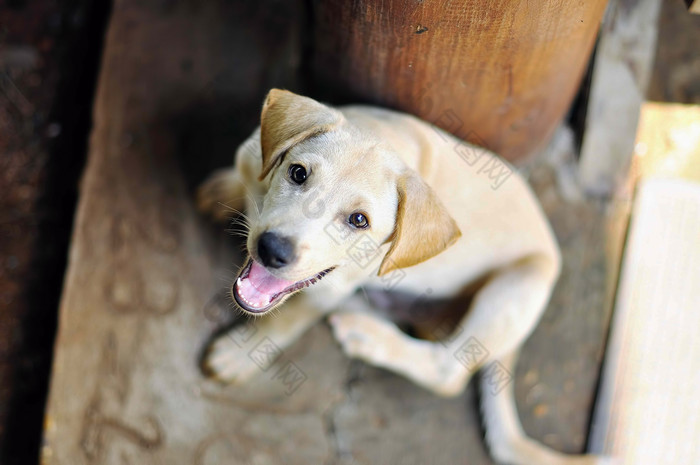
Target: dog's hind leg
x=502, y=315
x=505, y=437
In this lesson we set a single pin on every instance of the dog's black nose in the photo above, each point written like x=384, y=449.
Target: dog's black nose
x=275, y=251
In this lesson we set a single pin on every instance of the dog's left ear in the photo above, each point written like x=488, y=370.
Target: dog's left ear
x=423, y=228
x=288, y=119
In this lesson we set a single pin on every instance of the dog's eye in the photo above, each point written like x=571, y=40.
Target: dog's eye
x=358, y=220
x=297, y=173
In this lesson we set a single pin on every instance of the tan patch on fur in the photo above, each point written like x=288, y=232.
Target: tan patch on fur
x=424, y=228
x=286, y=120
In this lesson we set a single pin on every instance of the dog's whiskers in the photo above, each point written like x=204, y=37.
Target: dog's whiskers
x=238, y=232
x=255, y=205
x=231, y=209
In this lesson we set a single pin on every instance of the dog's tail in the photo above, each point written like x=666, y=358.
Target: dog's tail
x=504, y=434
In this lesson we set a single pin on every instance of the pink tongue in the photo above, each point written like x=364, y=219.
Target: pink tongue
x=258, y=288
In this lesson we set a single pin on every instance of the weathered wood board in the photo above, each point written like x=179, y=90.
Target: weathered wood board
x=648, y=410
x=657, y=301
x=621, y=74
x=140, y=300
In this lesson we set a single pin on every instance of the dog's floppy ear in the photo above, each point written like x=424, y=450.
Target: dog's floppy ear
x=423, y=228
x=288, y=119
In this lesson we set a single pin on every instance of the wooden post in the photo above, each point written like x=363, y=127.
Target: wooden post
x=621, y=73
x=500, y=74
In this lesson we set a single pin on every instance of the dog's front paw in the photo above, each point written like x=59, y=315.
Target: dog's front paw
x=227, y=360
x=351, y=340
x=382, y=344
x=364, y=337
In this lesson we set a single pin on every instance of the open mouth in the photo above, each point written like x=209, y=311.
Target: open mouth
x=256, y=290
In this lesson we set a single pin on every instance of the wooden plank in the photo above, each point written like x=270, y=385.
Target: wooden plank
x=668, y=141
x=644, y=375
x=647, y=410
x=621, y=74
x=500, y=74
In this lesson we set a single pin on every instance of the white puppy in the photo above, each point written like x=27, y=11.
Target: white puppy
x=329, y=190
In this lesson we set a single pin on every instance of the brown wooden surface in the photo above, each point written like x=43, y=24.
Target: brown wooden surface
x=500, y=74
x=47, y=75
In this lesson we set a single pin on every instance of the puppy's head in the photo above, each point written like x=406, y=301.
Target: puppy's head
x=336, y=200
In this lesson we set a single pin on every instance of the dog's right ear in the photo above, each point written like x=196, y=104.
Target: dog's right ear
x=288, y=119
x=423, y=229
